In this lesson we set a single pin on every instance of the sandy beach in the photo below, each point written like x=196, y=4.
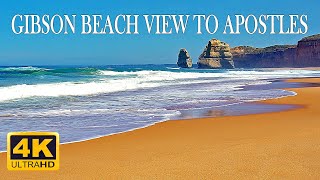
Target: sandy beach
x=278, y=145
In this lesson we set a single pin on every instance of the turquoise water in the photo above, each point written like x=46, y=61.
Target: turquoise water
x=87, y=102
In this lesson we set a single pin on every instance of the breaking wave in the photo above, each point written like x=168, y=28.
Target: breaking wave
x=107, y=81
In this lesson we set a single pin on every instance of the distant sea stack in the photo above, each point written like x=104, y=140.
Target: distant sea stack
x=184, y=59
x=305, y=54
x=216, y=55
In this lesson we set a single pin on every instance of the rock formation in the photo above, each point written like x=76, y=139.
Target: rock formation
x=305, y=54
x=216, y=55
x=184, y=60
x=273, y=56
x=308, y=52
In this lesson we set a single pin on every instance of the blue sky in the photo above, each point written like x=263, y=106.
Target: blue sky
x=76, y=49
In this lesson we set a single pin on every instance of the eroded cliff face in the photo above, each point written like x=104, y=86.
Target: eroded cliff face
x=269, y=57
x=308, y=52
x=305, y=54
x=216, y=55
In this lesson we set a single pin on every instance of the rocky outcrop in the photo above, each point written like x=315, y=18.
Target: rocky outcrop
x=184, y=59
x=305, y=54
x=308, y=52
x=216, y=55
x=269, y=57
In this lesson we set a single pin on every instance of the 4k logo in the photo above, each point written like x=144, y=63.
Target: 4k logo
x=33, y=151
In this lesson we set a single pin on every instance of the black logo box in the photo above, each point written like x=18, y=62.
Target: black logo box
x=15, y=139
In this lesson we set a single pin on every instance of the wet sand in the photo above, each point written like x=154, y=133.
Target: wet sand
x=272, y=145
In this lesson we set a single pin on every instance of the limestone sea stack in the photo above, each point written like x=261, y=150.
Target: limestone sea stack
x=184, y=59
x=216, y=55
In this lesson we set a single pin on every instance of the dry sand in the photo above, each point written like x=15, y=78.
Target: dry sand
x=266, y=146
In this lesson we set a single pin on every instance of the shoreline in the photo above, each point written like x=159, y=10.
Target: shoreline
x=258, y=102
x=204, y=147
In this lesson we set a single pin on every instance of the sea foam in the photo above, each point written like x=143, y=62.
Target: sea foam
x=115, y=81
x=84, y=103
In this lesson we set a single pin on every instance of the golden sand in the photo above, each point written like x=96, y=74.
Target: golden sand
x=278, y=145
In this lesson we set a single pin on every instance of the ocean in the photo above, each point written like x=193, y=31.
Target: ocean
x=88, y=102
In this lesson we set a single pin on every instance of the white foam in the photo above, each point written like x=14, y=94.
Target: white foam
x=140, y=79
x=67, y=88
x=143, y=79
x=26, y=68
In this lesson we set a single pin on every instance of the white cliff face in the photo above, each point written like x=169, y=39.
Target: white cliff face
x=216, y=55
x=184, y=59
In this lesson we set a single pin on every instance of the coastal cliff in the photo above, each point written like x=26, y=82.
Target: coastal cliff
x=216, y=55
x=219, y=55
x=308, y=51
x=305, y=54
x=273, y=56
